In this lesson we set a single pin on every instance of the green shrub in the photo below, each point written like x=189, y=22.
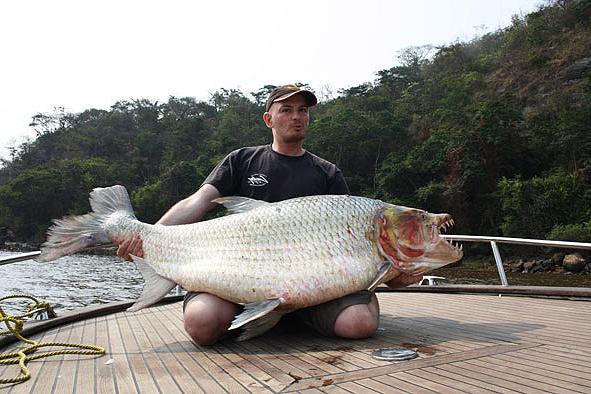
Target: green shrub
x=579, y=232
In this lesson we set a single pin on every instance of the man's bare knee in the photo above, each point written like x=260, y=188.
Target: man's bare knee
x=207, y=318
x=358, y=321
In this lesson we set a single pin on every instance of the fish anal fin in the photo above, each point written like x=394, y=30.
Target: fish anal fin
x=155, y=286
x=254, y=311
x=259, y=326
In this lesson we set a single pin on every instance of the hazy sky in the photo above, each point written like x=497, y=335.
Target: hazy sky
x=90, y=54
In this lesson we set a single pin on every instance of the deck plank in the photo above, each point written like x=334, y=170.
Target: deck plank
x=425, y=383
x=300, y=348
x=577, y=368
x=355, y=387
x=178, y=361
x=527, y=385
x=486, y=371
x=124, y=374
x=535, y=367
x=43, y=371
x=457, y=382
x=105, y=377
x=156, y=363
x=142, y=374
x=66, y=381
x=51, y=367
x=204, y=362
x=377, y=386
x=86, y=373
x=155, y=348
x=472, y=376
x=392, y=381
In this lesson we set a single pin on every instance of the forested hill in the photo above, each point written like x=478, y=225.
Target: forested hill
x=495, y=131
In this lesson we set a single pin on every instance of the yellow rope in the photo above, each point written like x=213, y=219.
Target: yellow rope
x=14, y=326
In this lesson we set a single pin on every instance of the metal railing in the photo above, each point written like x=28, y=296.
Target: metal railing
x=19, y=257
x=518, y=241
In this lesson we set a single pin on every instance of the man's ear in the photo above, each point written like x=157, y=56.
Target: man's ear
x=268, y=120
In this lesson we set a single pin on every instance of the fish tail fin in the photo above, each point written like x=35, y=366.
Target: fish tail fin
x=74, y=233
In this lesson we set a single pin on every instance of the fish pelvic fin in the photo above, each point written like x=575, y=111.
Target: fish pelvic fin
x=155, y=286
x=383, y=270
x=235, y=204
x=257, y=318
x=74, y=233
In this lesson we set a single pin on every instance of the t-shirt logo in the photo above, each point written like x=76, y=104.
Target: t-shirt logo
x=258, y=180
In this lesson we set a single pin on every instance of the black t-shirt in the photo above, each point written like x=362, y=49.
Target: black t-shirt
x=261, y=173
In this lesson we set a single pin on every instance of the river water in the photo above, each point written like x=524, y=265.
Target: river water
x=82, y=280
x=72, y=282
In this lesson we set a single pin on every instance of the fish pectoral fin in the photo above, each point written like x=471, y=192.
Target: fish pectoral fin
x=259, y=326
x=383, y=270
x=236, y=204
x=255, y=310
x=155, y=286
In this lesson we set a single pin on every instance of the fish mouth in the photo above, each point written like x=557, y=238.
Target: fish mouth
x=407, y=235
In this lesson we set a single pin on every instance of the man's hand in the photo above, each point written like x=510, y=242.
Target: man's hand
x=131, y=246
x=404, y=280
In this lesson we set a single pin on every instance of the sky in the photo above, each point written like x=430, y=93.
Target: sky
x=91, y=54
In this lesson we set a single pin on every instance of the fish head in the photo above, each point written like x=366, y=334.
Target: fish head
x=410, y=239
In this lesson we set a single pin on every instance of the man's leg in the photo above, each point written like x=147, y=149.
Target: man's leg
x=358, y=321
x=361, y=319
x=207, y=317
x=354, y=316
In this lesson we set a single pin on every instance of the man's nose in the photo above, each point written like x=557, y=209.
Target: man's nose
x=297, y=115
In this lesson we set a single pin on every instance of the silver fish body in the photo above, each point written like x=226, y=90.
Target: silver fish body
x=306, y=250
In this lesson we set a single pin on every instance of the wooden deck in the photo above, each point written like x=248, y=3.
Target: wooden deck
x=466, y=343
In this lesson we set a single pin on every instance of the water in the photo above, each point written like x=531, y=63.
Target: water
x=72, y=282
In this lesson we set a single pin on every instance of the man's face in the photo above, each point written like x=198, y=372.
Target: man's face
x=289, y=119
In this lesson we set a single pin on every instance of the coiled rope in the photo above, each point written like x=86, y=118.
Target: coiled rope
x=14, y=326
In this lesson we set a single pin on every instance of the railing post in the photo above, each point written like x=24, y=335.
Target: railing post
x=499, y=262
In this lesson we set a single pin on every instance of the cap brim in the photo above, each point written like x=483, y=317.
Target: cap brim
x=310, y=98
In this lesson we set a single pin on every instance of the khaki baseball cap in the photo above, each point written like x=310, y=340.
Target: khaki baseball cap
x=286, y=91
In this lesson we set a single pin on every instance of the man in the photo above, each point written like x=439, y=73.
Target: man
x=271, y=173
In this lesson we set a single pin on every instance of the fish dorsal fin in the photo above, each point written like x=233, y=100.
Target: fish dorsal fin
x=155, y=286
x=235, y=204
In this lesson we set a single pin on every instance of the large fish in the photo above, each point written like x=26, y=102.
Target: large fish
x=272, y=257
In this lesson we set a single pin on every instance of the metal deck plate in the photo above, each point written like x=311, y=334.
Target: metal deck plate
x=394, y=354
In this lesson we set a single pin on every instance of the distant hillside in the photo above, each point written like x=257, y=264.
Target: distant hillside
x=495, y=131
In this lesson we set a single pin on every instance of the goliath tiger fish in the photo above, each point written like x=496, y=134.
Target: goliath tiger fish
x=273, y=258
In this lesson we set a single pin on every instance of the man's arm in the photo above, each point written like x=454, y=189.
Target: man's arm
x=192, y=208
x=189, y=210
